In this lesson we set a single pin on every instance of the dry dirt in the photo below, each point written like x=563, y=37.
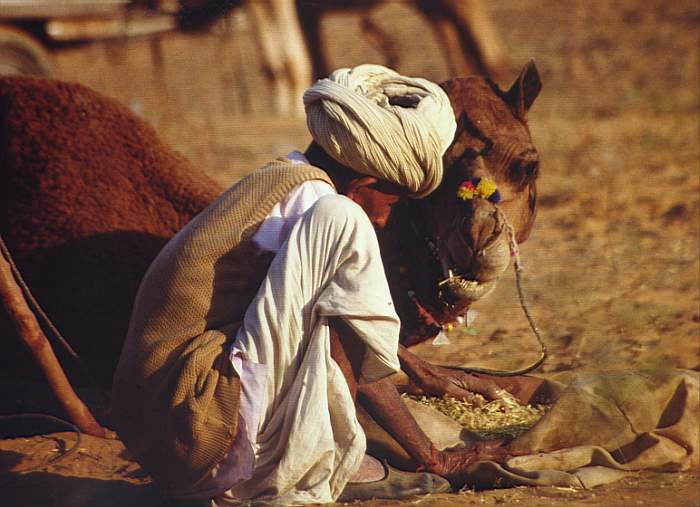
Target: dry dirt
x=612, y=268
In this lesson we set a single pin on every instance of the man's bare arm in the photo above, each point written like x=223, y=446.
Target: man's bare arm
x=384, y=404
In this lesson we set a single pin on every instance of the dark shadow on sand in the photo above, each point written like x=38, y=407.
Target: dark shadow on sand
x=45, y=489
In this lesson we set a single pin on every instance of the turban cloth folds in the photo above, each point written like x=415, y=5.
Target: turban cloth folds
x=383, y=124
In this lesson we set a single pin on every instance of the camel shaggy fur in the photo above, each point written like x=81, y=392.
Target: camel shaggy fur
x=90, y=195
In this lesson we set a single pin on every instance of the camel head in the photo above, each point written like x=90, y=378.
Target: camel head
x=459, y=234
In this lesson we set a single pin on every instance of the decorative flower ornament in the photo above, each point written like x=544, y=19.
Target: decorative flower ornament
x=479, y=187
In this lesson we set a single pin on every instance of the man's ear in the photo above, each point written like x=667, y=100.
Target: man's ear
x=356, y=185
x=375, y=197
x=524, y=91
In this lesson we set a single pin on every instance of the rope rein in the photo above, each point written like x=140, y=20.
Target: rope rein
x=60, y=457
x=518, y=268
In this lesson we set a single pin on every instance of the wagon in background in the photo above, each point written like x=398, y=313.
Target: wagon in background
x=31, y=29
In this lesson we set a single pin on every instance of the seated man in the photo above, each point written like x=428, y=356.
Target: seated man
x=258, y=323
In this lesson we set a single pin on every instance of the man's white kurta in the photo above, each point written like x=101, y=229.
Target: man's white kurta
x=309, y=441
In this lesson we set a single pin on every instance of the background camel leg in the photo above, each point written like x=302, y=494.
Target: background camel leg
x=479, y=35
x=34, y=338
x=283, y=54
x=459, y=62
x=381, y=40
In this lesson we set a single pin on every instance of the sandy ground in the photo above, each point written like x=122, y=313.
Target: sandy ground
x=612, y=267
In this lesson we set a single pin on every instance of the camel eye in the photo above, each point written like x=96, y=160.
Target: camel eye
x=488, y=144
x=523, y=173
x=531, y=169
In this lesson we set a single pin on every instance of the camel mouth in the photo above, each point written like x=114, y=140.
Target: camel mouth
x=456, y=290
x=457, y=286
x=459, y=289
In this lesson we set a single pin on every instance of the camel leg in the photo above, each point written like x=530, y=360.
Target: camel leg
x=295, y=57
x=236, y=81
x=34, y=338
x=458, y=63
x=479, y=35
x=310, y=20
x=381, y=40
x=270, y=46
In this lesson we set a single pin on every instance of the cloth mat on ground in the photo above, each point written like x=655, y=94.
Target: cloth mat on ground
x=601, y=426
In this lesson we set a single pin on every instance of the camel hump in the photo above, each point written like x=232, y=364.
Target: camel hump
x=90, y=196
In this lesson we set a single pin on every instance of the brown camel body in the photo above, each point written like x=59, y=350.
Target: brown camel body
x=91, y=195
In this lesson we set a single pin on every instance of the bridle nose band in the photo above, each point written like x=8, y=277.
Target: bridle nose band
x=498, y=217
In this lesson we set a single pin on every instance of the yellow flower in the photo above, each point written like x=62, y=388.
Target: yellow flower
x=486, y=187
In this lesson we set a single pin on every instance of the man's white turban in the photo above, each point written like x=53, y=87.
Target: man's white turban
x=383, y=124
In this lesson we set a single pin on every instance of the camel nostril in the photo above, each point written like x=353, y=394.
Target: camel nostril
x=483, y=228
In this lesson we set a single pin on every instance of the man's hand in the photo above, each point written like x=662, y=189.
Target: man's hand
x=434, y=380
x=454, y=463
x=383, y=403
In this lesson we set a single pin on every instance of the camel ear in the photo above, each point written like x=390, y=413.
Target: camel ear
x=524, y=91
